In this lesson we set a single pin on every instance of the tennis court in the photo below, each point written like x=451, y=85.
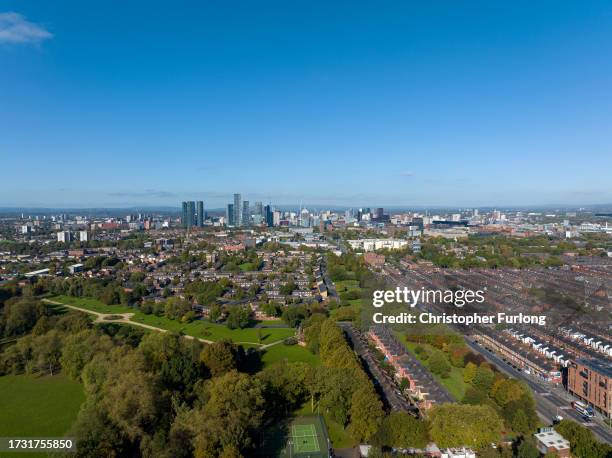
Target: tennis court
x=304, y=439
x=300, y=437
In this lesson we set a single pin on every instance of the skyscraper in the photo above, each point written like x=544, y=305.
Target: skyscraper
x=268, y=216
x=237, y=210
x=258, y=209
x=229, y=215
x=200, y=213
x=188, y=218
x=246, y=213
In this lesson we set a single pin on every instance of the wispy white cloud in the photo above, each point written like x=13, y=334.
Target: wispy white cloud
x=15, y=28
x=407, y=173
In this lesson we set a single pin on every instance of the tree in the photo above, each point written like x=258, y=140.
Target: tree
x=527, y=449
x=238, y=317
x=174, y=359
x=520, y=423
x=438, y=363
x=131, y=396
x=47, y=351
x=79, y=349
x=215, y=312
x=582, y=442
x=507, y=390
x=402, y=430
x=287, y=288
x=21, y=316
x=483, y=378
x=469, y=372
x=231, y=415
x=294, y=314
x=97, y=436
x=454, y=425
x=474, y=396
x=366, y=413
x=175, y=308
x=285, y=384
x=219, y=357
x=271, y=308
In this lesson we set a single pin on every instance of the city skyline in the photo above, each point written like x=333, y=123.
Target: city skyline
x=331, y=105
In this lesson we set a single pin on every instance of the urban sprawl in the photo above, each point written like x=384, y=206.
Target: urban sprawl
x=270, y=311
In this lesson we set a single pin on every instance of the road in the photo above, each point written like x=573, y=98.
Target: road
x=392, y=396
x=550, y=400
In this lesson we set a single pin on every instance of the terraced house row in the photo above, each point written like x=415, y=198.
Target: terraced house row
x=423, y=388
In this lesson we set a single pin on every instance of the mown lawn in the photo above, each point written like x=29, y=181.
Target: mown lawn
x=248, y=267
x=38, y=406
x=213, y=331
x=91, y=304
x=198, y=328
x=346, y=285
x=271, y=323
x=290, y=353
x=454, y=383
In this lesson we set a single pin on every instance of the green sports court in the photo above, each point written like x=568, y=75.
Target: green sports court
x=302, y=437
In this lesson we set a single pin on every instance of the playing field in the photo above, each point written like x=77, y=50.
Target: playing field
x=304, y=439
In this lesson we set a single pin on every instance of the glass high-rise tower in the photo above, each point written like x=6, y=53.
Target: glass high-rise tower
x=200, y=213
x=237, y=210
x=189, y=214
x=229, y=216
x=246, y=213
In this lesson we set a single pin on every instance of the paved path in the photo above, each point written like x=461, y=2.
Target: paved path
x=125, y=318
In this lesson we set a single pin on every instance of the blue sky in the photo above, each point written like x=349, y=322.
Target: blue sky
x=348, y=103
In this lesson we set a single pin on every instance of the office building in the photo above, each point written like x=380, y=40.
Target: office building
x=246, y=213
x=188, y=218
x=258, y=210
x=64, y=237
x=237, y=210
x=276, y=218
x=83, y=236
x=200, y=213
x=268, y=216
x=229, y=215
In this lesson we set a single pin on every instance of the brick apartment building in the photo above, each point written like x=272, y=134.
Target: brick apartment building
x=591, y=381
x=373, y=259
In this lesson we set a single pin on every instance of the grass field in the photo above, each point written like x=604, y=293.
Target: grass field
x=291, y=353
x=271, y=323
x=199, y=328
x=38, y=406
x=346, y=285
x=92, y=304
x=454, y=383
